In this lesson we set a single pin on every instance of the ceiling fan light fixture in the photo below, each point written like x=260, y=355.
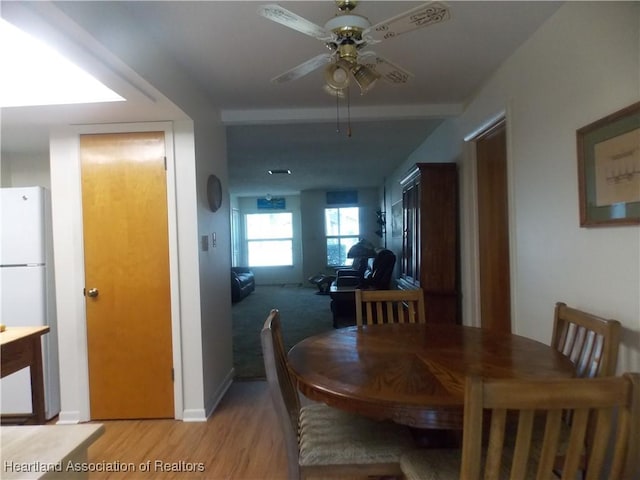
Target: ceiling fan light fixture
x=346, y=5
x=365, y=77
x=337, y=75
x=334, y=92
x=340, y=76
x=348, y=25
x=346, y=35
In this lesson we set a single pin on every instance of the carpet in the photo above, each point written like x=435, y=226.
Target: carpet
x=303, y=313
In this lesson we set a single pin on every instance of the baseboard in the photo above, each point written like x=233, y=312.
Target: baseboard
x=71, y=417
x=219, y=394
x=194, y=415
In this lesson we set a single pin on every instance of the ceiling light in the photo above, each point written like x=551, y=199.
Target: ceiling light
x=337, y=75
x=365, y=77
x=35, y=74
x=284, y=171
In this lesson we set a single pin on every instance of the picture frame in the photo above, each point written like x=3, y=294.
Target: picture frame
x=609, y=169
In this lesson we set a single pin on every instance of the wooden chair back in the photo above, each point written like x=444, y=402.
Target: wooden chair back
x=613, y=401
x=389, y=306
x=281, y=386
x=591, y=342
x=320, y=441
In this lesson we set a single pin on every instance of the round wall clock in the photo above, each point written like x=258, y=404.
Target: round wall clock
x=214, y=192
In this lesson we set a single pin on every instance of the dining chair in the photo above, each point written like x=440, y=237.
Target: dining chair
x=591, y=342
x=389, y=306
x=321, y=440
x=496, y=454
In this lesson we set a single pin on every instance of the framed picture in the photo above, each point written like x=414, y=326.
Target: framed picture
x=396, y=219
x=609, y=169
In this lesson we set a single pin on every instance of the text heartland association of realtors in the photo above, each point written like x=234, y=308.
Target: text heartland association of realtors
x=116, y=466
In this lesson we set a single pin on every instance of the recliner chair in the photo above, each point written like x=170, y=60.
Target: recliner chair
x=379, y=277
x=376, y=276
x=350, y=276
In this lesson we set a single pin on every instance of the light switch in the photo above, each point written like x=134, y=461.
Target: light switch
x=204, y=241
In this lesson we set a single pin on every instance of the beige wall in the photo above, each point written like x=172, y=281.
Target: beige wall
x=579, y=66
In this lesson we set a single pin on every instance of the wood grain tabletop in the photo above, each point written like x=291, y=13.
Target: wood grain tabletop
x=414, y=374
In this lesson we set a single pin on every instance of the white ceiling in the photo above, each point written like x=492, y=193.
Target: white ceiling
x=232, y=53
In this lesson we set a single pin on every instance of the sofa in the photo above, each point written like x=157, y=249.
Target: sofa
x=242, y=283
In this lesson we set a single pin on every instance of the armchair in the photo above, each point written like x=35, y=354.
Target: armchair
x=351, y=276
x=377, y=275
x=361, y=253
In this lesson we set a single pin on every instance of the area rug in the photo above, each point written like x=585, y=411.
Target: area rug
x=302, y=311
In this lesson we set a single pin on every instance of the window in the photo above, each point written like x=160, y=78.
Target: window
x=270, y=239
x=342, y=226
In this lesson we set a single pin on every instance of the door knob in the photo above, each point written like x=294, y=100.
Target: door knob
x=92, y=292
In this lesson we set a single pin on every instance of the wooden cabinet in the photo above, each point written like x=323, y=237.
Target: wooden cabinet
x=430, y=244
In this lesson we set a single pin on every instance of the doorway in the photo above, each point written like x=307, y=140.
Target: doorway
x=493, y=227
x=127, y=280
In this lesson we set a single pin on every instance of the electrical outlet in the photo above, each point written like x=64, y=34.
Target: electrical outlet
x=214, y=241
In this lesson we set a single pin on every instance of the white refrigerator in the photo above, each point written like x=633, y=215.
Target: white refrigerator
x=27, y=295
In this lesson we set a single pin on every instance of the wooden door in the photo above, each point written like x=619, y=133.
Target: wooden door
x=126, y=251
x=493, y=226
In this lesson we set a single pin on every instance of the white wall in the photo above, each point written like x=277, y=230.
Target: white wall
x=590, y=52
x=581, y=65
x=205, y=291
x=24, y=170
x=215, y=263
x=201, y=292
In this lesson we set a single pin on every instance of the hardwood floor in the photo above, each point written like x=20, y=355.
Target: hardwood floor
x=241, y=441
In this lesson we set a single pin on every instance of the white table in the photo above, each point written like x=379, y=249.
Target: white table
x=47, y=451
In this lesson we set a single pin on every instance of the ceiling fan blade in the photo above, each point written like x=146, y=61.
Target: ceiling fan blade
x=289, y=19
x=388, y=71
x=422, y=16
x=304, y=68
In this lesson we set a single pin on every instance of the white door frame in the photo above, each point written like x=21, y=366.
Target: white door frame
x=469, y=221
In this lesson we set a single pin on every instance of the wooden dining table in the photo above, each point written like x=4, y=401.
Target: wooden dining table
x=414, y=374
x=21, y=347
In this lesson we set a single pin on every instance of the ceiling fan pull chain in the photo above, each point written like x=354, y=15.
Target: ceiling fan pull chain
x=337, y=114
x=348, y=112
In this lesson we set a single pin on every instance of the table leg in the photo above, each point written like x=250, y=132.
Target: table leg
x=37, y=381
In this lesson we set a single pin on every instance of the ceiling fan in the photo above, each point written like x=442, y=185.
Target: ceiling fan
x=346, y=36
